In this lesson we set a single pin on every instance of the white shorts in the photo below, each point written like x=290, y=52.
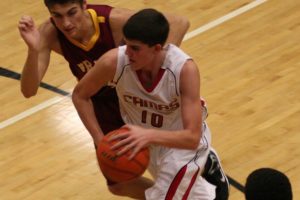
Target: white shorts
x=177, y=172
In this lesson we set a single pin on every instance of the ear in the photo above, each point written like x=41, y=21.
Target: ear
x=158, y=47
x=84, y=4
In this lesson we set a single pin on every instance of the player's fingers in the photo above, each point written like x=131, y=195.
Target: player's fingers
x=22, y=27
x=130, y=127
x=26, y=21
x=119, y=136
x=124, y=150
x=134, y=152
x=127, y=126
x=119, y=144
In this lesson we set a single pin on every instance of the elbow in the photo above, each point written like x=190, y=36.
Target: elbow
x=181, y=27
x=27, y=94
x=75, y=96
x=28, y=89
x=81, y=95
x=194, y=145
x=185, y=24
x=194, y=141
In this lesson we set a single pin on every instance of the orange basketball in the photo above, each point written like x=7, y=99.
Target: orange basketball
x=120, y=168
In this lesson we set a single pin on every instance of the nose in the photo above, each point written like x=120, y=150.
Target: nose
x=66, y=22
x=128, y=52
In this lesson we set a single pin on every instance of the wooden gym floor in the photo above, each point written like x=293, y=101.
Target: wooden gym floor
x=248, y=54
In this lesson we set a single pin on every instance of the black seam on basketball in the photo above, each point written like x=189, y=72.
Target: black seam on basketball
x=141, y=164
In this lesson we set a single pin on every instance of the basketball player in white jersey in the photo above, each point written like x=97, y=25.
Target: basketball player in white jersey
x=158, y=89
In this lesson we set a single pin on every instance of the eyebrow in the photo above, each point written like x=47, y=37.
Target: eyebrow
x=57, y=13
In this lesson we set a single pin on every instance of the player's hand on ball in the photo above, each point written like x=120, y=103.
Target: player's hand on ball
x=119, y=168
x=135, y=139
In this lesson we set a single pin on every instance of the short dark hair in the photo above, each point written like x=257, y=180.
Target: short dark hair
x=268, y=184
x=50, y=3
x=148, y=26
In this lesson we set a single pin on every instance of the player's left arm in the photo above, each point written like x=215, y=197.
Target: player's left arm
x=190, y=100
x=189, y=136
x=191, y=113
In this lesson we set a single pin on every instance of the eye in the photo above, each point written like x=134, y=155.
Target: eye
x=57, y=16
x=72, y=13
x=135, y=48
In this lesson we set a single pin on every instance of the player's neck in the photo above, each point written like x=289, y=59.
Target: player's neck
x=87, y=30
x=151, y=71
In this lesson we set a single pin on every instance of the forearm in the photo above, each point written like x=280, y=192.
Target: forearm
x=87, y=115
x=182, y=139
x=178, y=28
x=30, y=79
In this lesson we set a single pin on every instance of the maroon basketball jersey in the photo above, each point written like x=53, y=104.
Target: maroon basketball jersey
x=81, y=57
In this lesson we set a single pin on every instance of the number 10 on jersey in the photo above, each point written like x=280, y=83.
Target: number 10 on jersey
x=156, y=120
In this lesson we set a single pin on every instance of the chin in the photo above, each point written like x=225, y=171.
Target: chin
x=134, y=67
x=71, y=34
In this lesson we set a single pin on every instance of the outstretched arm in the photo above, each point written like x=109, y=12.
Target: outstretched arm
x=38, y=55
x=178, y=25
x=102, y=72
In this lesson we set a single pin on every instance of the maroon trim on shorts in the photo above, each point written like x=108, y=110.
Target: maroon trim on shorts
x=176, y=182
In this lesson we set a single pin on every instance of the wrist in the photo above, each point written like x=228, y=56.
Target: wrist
x=32, y=50
x=97, y=140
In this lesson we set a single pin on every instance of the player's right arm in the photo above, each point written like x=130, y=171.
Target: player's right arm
x=38, y=55
x=97, y=77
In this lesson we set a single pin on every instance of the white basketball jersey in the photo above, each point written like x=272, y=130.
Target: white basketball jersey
x=158, y=108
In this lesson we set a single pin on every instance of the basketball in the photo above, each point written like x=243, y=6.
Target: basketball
x=120, y=168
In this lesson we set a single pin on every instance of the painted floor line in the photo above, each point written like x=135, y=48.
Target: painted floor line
x=30, y=111
x=223, y=19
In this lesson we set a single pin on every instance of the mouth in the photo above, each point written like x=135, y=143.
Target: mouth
x=69, y=30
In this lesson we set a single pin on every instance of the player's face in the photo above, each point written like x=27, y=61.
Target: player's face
x=140, y=55
x=68, y=18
